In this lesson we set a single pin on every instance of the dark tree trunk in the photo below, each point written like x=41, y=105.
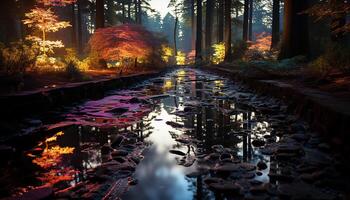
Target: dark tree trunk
x=193, y=25
x=275, y=24
x=100, y=16
x=199, y=33
x=10, y=24
x=80, y=27
x=245, y=20
x=175, y=35
x=227, y=39
x=123, y=12
x=220, y=16
x=74, y=28
x=295, y=32
x=129, y=11
x=139, y=12
x=250, y=20
x=208, y=27
x=136, y=11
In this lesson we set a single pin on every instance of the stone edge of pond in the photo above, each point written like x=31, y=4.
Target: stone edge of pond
x=28, y=103
x=326, y=115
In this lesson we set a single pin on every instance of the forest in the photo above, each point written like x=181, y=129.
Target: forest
x=174, y=99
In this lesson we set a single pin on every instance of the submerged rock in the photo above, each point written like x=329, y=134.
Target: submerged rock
x=177, y=152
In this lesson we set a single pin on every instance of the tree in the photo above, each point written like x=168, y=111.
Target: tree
x=250, y=27
x=45, y=21
x=245, y=20
x=336, y=11
x=227, y=35
x=127, y=41
x=100, y=16
x=295, y=32
x=208, y=26
x=220, y=17
x=275, y=24
x=199, y=32
x=176, y=5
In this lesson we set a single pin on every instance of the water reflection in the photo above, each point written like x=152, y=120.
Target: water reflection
x=203, y=108
x=207, y=113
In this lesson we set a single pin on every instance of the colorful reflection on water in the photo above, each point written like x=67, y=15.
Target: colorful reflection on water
x=202, y=105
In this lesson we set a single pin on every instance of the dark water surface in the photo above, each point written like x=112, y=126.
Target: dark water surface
x=190, y=125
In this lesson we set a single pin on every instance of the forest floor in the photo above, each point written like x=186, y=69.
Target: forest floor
x=336, y=84
x=34, y=81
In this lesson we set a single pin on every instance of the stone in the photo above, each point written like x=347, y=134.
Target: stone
x=225, y=187
x=118, y=111
x=225, y=156
x=119, y=153
x=106, y=149
x=117, y=141
x=301, y=190
x=261, y=165
x=258, y=143
x=174, y=124
x=40, y=193
x=177, y=152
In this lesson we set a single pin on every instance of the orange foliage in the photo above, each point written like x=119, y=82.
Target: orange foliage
x=127, y=41
x=262, y=43
x=56, y=2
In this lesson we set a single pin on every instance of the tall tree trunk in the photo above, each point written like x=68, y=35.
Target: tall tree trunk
x=175, y=35
x=10, y=25
x=295, y=32
x=250, y=20
x=129, y=11
x=220, y=14
x=123, y=12
x=80, y=27
x=100, y=16
x=275, y=24
x=74, y=28
x=227, y=39
x=136, y=11
x=193, y=25
x=208, y=27
x=245, y=20
x=199, y=33
x=139, y=11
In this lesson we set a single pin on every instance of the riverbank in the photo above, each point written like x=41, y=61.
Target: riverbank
x=327, y=113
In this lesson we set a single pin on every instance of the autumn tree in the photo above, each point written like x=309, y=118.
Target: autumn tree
x=335, y=11
x=127, y=41
x=44, y=21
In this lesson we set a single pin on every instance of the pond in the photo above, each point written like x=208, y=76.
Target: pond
x=188, y=134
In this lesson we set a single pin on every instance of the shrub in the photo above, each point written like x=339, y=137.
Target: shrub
x=336, y=57
x=219, y=53
x=239, y=48
x=17, y=57
x=73, y=71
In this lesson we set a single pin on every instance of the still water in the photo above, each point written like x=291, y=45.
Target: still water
x=184, y=119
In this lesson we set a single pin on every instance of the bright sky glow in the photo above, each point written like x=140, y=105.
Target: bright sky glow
x=161, y=6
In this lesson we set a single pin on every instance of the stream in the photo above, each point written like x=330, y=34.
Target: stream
x=188, y=134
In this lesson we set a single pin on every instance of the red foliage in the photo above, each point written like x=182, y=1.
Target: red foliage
x=125, y=41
